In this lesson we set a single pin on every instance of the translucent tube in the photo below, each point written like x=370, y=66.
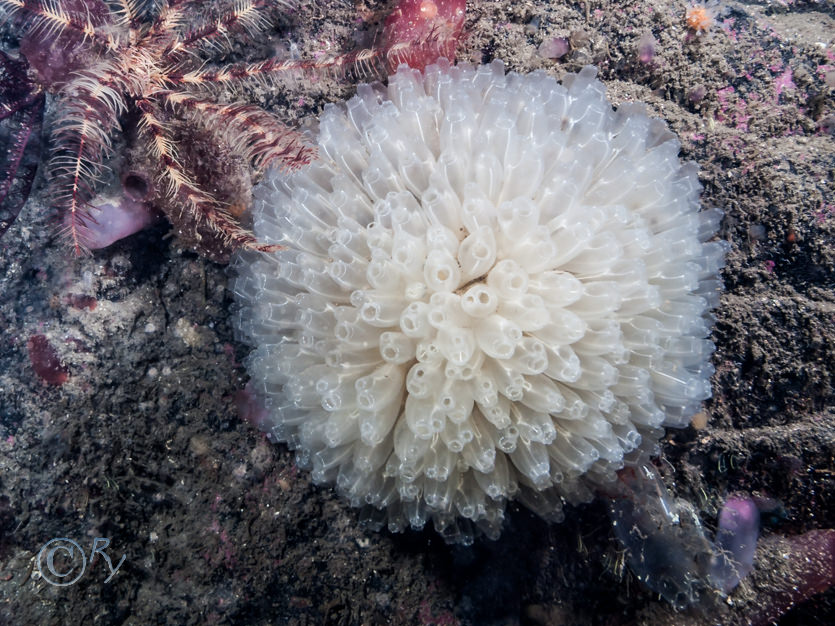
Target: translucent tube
x=677, y=281
x=619, y=412
x=465, y=371
x=584, y=449
x=396, y=348
x=556, y=288
x=423, y=417
x=542, y=395
x=408, y=253
x=682, y=316
x=509, y=383
x=533, y=425
x=646, y=414
x=497, y=414
x=341, y=428
x=375, y=426
x=456, y=435
x=347, y=275
x=381, y=309
x=409, y=493
x=628, y=437
x=415, y=173
x=441, y=206
x=477, y=253
x=641, y=331
x=528, y=311
x=456, y=401
x=408, y=447
x=479, y=300
x=468, y=498
x=441, y=238
x=600, y=400
x=454, y=166
x=368, y=459
x=597, y=374
x=428, y=352
x=302, y=391
x=326, y=463
x=423, y=380
x=568, y=458
x=445, y=310
x=565, y=328
x=531, y=459
x=530, y=357
x=318, y=323
x=687, y=350
x=597, y=256
x=480, y=453
x=457, y=344
x=406, y=216
x=563, y=363
x=570, y=241
x=508, y=279
x=381, y=274
x=442, y=461
x=674, y=382
x=599, y=299
x=415, y=290
x=507, y=438
x=575, y=407
x=710, y=290
x=630, y=380
x=379, y=388
x=350, y=484
x=458, y=127
x=414, y=321
x=433, y=494
x=496, y=483
x=602, y=336
x=518, y=217
x=525, y=174
x=534, y=252
x=497, y=336
x=489, y=174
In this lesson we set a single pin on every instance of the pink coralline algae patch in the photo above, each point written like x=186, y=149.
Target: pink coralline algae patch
x=45, y=360
x=225, y=552
x=783, y=82
x=824, y=213
x=733, y=110
x=428, y=618
x=728, y=27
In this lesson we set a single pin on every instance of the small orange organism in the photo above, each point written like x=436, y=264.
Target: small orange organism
x=700, y=17
x=428, y=9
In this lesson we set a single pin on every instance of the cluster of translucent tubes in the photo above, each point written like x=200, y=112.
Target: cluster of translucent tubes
x=493, y=287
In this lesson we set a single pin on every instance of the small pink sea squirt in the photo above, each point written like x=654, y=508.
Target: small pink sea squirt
x=418, y=32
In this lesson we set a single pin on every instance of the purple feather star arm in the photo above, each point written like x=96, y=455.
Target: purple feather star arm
x=21, y=117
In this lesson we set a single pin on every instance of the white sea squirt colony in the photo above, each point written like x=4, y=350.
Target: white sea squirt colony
x=494, y=287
